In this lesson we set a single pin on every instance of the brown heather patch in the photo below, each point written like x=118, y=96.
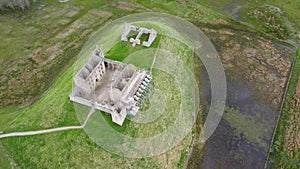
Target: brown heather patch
x=30, y=76
x=292, y=135
x=254, y=60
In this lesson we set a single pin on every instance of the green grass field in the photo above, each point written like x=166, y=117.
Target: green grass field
x=38, y=47
x=61, y=149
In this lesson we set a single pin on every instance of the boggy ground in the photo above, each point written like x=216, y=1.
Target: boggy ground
x=262, y=64
x=257, y=70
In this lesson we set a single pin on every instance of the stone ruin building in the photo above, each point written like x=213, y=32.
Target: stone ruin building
x=110, y=86
x=136, y=41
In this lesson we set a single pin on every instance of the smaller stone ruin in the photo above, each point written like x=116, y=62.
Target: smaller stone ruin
x=140, y=31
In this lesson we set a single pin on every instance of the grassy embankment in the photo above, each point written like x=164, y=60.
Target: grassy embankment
x=285, y=150
x=53, y=110
x=52, y=35
x=40, y=43
x=37, y=45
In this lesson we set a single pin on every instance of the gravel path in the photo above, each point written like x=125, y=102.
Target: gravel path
x=29, y=133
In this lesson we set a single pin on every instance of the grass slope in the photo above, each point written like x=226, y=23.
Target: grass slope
x=74, y=149
x=286, y=154
x=28, y=34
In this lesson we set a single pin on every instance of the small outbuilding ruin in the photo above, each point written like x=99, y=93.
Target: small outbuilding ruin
x=136, y=41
